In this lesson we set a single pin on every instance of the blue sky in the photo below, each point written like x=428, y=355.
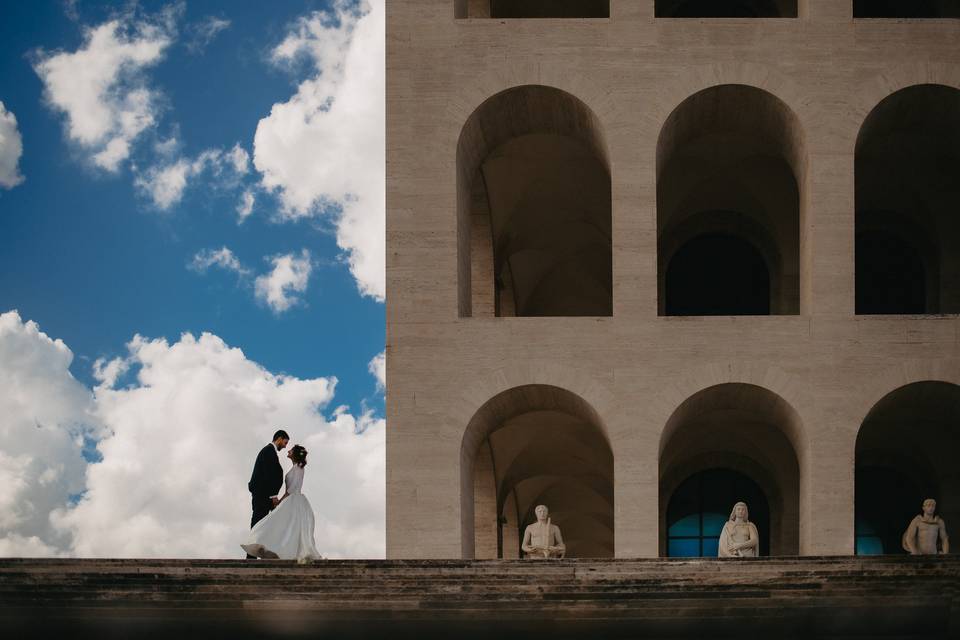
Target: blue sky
x=92, y=262
x=192, y=233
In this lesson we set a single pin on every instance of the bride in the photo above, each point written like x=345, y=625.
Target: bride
x=287, y=532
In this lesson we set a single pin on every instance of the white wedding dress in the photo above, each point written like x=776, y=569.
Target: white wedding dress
x=287, y=531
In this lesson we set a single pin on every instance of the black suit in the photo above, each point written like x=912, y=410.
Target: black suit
x=265, y=482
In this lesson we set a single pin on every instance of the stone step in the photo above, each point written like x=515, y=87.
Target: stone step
x=830, y=597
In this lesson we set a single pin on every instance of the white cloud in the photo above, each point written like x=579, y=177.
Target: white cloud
x=165, y=184
x=222, y=257
x=11, y=148
x=202, y=33
x=378, y=368
x=45, y=413
x=240, y=159
x=340, y=111
x=107, y=372
x=177, y=448
x=245, y=206
x=101, y=88
x=289, y=276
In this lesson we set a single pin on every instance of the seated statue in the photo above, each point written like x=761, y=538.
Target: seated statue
x=542, y=539
x=739, y=538
x=927, y=533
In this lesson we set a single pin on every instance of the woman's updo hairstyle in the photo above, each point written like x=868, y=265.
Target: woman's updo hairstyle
x=299, y=455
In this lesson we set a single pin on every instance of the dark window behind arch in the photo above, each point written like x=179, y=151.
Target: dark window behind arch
x=725, y=8
x=906, y=9
x=887, y=500
x=532, y=9
x=717, y=274
x=701, y=505
x=890, y=276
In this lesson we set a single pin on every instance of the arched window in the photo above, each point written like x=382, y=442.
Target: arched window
x=906, y=9
x=907, y=230
x=700, y=507
x=534, y=208
x=725, y=8
x=730, y=162
x=728, y=443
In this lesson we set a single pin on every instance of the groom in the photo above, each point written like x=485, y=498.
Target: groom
x=267, y=477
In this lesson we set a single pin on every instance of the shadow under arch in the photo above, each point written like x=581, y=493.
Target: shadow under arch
x=731, y=159
x=907, y=450
x=543, y=443
x=534, y=211
x=906, y=160
x=742, y=428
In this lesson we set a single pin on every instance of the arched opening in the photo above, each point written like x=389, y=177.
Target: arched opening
x=907, y=196
x=532, y=8
x=906, y=9
x=727, y=443
x=725, y=8
x=700, y=507
x=907, y=451
x=532, y=445
x=730, y=161
x=534, y=208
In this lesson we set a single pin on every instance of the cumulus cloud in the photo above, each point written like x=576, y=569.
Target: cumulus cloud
x=338, y=110
x=46, y=413
x=202, y=33
x=100, y=88
x=165, y=184
x=11, y=148
x=222, y=257
x=177, y=446
x=378, y=368
x=279, y=287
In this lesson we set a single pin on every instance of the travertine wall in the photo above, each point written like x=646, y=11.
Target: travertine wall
x=635, y=369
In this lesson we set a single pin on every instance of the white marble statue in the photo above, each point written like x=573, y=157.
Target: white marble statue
x=927, y=533
x=542, y=539
x=739, y=538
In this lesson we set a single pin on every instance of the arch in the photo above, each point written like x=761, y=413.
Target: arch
x=533, y=207
x=547, y=445
x=907, y=450
x=906, y=160
x=725, y=8
x=742, y=428
x=731, y=160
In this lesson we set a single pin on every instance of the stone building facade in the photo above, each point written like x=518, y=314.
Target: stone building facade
x=644, y=259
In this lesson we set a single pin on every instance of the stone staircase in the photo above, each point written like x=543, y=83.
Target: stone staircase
x=809, y=597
